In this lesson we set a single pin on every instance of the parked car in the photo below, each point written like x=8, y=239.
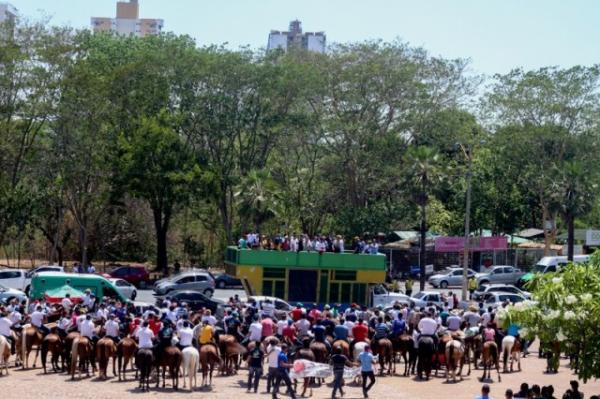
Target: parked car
x=452, y=277
x=422, y=298
x=136, y=275
x=7, y=294
x=484, y=289
x=225, y=280
x=381, y=296
x=500, y=275
x=550, y=264
x=125, y=288
x=198, y=281
x=196, y=301
x=20, y=279
x=495, y=299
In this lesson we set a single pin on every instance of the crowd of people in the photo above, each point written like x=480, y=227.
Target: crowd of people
x=534, y=391
x=271, y=336
x=304, y=242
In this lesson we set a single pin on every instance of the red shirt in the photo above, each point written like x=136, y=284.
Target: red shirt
x=360, y=332
x=296, y=314
x=267, y=327
x=315, y=314
x=155, y=326
x=290, y=332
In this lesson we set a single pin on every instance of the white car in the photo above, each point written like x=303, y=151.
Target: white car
x=127, y=289
x=380, y=296
x=20, y=279
x=451, y=277
x=500, y=288
x=422, y=299
x=496, y=299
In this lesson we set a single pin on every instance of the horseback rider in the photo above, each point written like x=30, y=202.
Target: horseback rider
x=360, y=332
x=165, y=337
x=398, y=326
x=111, y=327
x=186, y=335
x=341, y=331
x=319, y=334
x=5, y=329
x=38, y=317
x=428, y=328
x=64, y=323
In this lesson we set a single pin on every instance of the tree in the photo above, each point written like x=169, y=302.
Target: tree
x=424, y=170
x=567, y=311
x=259, y=198
x=157, y=166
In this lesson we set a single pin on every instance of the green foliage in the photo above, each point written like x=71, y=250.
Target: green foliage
x=567, y=310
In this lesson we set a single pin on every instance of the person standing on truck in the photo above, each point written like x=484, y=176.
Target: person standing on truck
x=408, y=286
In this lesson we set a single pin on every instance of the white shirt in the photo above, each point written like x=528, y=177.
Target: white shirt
x=172, y=315
x=212, y=320
x=112, y=328
x=185, y=336
x=102, y=313
x=450, y=302
x=5, y=325
x=16, y=317
x=64, y=323
x=86, y=328
x=485, y=319
x=37, y=318
x=273, y=352
x=350, y=326
x=303, y=325
x=427, y=326
x=144, y=336
x=472, y=318
x=281, y=324
x=255, y=331
x=268, y=309
x=453, y=322
x=66, y=303
x=87, y=300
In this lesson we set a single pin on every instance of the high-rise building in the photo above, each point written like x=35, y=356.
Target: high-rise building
x=128, y=21
x=7, y=12
x=311, y=41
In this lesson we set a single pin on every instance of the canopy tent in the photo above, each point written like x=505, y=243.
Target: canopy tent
x=56, y=295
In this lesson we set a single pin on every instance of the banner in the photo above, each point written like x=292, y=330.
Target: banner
x=457, y=244
x=306, y=369
x=592, y=238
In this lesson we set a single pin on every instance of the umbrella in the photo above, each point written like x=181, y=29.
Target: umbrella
x=57, y=294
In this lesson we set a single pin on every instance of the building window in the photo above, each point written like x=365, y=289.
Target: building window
x=344, y=275
x=273, y=273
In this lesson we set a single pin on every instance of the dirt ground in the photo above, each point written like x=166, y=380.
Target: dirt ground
x=34, y=384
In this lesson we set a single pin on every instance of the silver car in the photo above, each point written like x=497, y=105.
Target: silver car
x=500, y=275
x=500, y=288
x=199, y=281
x=125, y=288
x=7, y=294
x=452, y=277
x=495, y=299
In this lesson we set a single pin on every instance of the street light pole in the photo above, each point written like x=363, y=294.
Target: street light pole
x=467, y=220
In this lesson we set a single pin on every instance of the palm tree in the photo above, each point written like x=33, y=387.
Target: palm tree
x=259, y=198
x=424, y=169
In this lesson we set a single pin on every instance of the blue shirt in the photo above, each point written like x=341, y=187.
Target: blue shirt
x=513, y=330
x=319, y=332
x=340, y=331
x=366, y=361
x=398, y=326
x=282, y=358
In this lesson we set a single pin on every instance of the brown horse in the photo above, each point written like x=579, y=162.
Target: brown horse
x=82, y=350
x=320, y=351
x=126, y=349
x=144, y=359
x=4, y=354
x=490, y=358
x=208, y=358
x=473, y=347
x=231, y=352
x=30, y=336
x=404, y=345
x=385, y=351
x=439, y=358
x=455, y=358
x=67, y=345
x=171, y=358
x=344, y=345
x=52, y=344
x=105, y=349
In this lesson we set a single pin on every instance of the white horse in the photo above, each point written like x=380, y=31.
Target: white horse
x=511, y=348
x=190, y=365
x=4, y=354
x=359, y=347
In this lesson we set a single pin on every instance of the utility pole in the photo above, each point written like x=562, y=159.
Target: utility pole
x=467, y=220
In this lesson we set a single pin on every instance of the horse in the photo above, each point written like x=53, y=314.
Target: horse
x=144, y=359
x=425, y=356
x=208, y=358
x=384, y=350
x=455, y=357
x=439, y=358
x=340, y=343
x=105, y=349
x=126, y=349
x=473, y=344
x=82, y=349
x=52, y=344
x=30, y=336
x=67, y=345
x=490, y=357
x=320, y=351
x=4, y=354
x=231, y=352
x=511, y=347
x=171, y=358
x=191, y=361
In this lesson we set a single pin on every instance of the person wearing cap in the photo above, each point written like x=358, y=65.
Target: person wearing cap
x=112, y=328
x=367, y=360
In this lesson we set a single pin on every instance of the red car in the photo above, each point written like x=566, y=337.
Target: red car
x=136, y=275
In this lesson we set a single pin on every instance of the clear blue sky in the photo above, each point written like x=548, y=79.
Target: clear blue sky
x=497, y=35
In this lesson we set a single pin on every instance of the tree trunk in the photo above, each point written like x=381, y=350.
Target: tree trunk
x=161, y=225
x=83, y=248
x=422, y=246
x=225, y=217
x=571, y=236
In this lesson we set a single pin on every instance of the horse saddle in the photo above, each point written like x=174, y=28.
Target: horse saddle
x=471, y=332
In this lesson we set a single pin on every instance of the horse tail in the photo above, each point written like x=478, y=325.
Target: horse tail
x=74, y=352
x=494, y=352
x=45, y=345
x=450, y=360
x=24, y=343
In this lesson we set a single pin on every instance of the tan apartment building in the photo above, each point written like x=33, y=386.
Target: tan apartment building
x=127, y=21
